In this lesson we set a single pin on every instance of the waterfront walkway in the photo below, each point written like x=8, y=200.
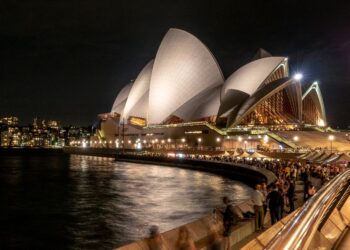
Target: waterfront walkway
x=299, y=201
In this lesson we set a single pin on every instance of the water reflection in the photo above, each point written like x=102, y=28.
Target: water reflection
x=84, y=202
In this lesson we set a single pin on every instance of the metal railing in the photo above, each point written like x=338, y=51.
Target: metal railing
x=283, y=140
x=301, y=229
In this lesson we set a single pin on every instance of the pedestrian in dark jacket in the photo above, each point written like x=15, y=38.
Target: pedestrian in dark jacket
x=275, y=202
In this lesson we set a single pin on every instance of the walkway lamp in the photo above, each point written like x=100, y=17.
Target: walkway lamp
x=199, y=142
x=298, y=76
x=218, y=140
x=331, y=139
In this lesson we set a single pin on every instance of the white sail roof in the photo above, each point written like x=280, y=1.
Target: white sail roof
x=138, y=91
x=249, y=77
x=119, y=103
x=183, y=68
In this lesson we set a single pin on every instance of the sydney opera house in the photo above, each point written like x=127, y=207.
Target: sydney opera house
x=181, y=98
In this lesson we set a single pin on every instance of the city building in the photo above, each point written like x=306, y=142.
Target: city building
x=181, y=99
x=38, y=134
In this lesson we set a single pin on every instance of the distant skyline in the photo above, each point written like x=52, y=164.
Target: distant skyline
x=67, y=60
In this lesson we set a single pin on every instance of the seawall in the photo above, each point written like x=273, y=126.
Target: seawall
x=242, y=172
x=203, y=232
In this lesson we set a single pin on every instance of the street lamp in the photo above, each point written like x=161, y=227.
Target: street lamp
x=296, y=138
x=199, y=142
x=218, y=139
x=298, y=76
x=331, y=139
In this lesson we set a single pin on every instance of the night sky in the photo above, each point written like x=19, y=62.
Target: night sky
x=67, y=59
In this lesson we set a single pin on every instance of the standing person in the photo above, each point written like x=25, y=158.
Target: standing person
x=263, y=190
x=229, y=220
x=184, y=241
x=258, y=201
x=275, y=201
x=155, y=240
x=311, y=190
x=290, y=195
x=280, y=214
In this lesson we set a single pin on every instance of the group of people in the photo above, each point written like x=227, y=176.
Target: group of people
x=276, y=199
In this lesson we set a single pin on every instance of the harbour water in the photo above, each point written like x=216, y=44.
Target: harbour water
x=84, y=202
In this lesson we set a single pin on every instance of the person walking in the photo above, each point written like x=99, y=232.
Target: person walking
x=258, y=201
x=275, y=203
x=230, y=218
x=290, y=195
x=184, y=240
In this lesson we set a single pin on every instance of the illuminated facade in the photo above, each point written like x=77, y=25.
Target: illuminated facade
x=184, y=86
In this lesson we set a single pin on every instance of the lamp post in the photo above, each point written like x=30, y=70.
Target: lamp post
x=218, y=140
x=239, y=140
x=331, y=139
x=245, y=145
x=199, y=142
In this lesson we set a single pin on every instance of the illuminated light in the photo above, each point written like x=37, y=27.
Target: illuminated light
x=218, y=139
x=321, y=123
x=259, y=136
x=249, y=137
x=180, y=155
x=183, y=140
x=199, y=139
x=245, y=142
x=169, y=140
x=84, y=144
x=163, y=141
x=171, y=155
x=298, y=76
x=331, y=137
x=152, y=141
x=138, y=145
x=129, y=141
x=266, y=139
x=95, y=142
x=296, y=138
x=193, y=132
x=144, y=141
x=240, y=139
x=228, y=137
x=156, y=140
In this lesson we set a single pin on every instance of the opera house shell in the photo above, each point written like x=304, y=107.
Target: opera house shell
x=184, y=84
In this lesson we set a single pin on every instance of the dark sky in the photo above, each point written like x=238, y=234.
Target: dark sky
x=67, y=59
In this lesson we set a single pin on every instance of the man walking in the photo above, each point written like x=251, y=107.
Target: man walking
x=275, y=201
x=258, y=201
x=290, y=195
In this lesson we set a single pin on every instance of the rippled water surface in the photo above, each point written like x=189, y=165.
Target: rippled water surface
x=83, y=202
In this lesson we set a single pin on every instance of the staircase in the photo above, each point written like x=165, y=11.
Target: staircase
x=284, y=141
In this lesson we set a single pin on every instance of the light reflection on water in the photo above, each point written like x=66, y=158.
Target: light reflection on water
x=94, y=202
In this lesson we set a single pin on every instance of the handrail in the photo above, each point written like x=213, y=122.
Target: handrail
x=281, y=139
x=299, y=231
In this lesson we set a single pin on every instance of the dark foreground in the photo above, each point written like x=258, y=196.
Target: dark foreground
x=57, y=201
